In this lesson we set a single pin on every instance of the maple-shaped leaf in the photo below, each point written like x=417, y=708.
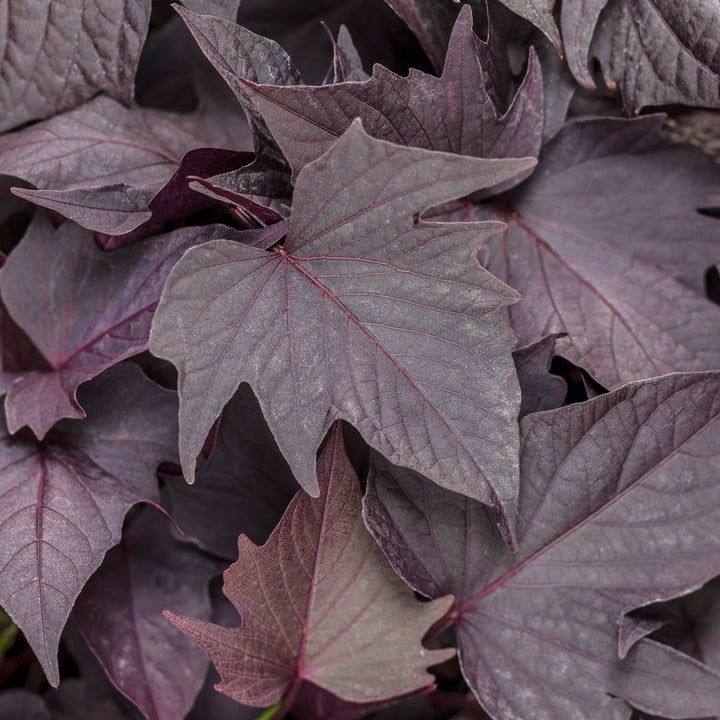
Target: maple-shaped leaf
x=458, y=112
x=64, y=499
x=119, y=612
x=363, y=314
x=657, y=52
x=56, y=56
x=319, y=603
x=112, y=168
x=84, y=309
x=598, y=242
x=244, y=487
x=619, y=507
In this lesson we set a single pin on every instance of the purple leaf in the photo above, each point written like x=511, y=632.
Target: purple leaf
x=362, y=315
x=594, y=242
x=449, y=113
x=540, y=390
x=57, y=56
x=120, y=611
x=578, y=19
x=127, y=213
x=109, y=167
x=244, y=487
x=658, y=52
x=64, y=499
x=319, y=603
x=619, y=506
x=84, y=309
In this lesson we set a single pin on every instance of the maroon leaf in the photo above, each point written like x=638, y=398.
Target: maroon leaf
x=362, y=315
x=585, y=237
x=57, y=56
x=64, y=499
x=244, y=487
x=657, y=52
x=76, y=699
x=578, y=19
x=319, y=603
x=619, y=507
x=347, y=65
x=540, y=390
x=448, y=113
x=120, y=615
x=84, y=309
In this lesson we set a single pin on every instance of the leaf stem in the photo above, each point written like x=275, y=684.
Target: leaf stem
x=288, y=700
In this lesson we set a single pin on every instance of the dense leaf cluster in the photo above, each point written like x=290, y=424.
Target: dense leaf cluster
x=466, y=298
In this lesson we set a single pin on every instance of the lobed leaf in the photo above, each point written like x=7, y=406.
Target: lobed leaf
x=319, y=603
x=603, y=242
x=449, y=113
x=363, y=315
x=619, y=502
x=84, y=310
x=64, y=499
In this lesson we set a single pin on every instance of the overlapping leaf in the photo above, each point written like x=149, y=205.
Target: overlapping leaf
x=111, y=168
x=363, y=315
x=458, y=112
x=595, y=242
x=56, y=56
x=83, y=308
x=319, y=603
x=540, y=390
x=656, y=52
x=120, y=615
x=619, y=507
x=236, y=53
x=244, y=487
x=64, y=499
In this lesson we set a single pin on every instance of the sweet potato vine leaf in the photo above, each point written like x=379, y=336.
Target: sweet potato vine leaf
x=603, y=241
x=83, y=308
x=458, y=112
x=319, y=603
x=64, y=498
x=119, y=613
x=56, y=56
x=657, y=52
x=363, y=315
x=619, y=508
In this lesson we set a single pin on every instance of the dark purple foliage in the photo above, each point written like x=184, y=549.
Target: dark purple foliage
x=259, y=258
